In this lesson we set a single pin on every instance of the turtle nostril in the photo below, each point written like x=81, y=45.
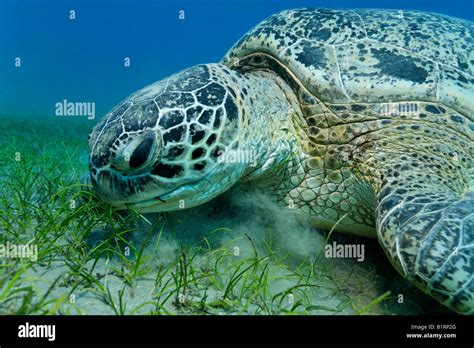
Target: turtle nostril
x=141, y=153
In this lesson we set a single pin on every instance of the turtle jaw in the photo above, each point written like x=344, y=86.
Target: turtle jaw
x=186, y=195
x=181, y=197
x=191, y=194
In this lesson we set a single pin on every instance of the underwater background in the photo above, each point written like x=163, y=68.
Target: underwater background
x=238, y=254
x=83, y=59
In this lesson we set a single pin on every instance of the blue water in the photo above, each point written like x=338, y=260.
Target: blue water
x=83, y=59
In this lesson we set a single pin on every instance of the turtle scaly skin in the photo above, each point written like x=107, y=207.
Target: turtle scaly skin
x=361, y=120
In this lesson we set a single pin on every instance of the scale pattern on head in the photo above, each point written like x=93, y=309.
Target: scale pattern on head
x=168, y=133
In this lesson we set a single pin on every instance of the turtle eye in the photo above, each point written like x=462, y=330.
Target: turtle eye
x=89, y=137
x=141, y=153
x=132, y=154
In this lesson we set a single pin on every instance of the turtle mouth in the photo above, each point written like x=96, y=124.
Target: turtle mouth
x=152, y=197
x=175, y=199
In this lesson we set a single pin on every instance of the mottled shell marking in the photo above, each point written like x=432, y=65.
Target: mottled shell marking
x=346, y=56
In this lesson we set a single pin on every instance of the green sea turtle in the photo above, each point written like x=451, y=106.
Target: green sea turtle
x=361, y=119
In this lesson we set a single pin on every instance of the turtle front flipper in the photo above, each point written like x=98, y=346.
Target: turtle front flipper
x=425, y=224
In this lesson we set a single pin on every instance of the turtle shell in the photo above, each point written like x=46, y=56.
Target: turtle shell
x=366, y=56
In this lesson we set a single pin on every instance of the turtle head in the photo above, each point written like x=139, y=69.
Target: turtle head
x=161, y=149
